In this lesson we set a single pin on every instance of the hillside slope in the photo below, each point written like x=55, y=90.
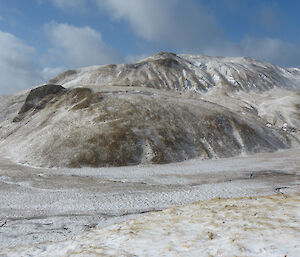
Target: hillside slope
x=240, y=84
x=163, y=109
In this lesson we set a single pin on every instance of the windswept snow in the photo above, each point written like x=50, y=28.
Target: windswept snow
x=255, y=226
x=41, y=205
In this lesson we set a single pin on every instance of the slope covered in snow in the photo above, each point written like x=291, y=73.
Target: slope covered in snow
x=85, y=128
x=185, y=72
x=255, y=226
x=235, y=83
x=162, y=109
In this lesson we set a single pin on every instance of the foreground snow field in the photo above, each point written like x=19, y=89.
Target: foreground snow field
x=252, y=226
x=39, y=205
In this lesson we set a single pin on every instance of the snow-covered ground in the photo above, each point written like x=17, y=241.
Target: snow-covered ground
x=253, y=226
x=40, y=205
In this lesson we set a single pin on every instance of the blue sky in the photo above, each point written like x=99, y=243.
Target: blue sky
x=39, y=38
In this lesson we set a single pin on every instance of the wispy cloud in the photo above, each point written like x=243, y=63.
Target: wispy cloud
x=193, y=28
x=176, y=23
x=271, y=50
x=17, y=68
x=21, y=67
x=80, y=46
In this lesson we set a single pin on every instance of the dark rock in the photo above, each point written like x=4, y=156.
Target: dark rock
x=38, y=98
x=37, y=94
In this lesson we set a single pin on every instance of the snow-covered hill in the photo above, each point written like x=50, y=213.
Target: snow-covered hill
x=185, y=73
x=240, y=84
x=162, y=109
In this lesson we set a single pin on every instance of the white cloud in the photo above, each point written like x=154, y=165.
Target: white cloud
x=190, y=27
x=21, y=67
x=271, y=50
x=176, y=23
x=187, y=27
x=147, y=18
x=80, y=46
x=17, y=68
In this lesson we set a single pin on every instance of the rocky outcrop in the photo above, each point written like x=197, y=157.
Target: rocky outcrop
x=38, y=98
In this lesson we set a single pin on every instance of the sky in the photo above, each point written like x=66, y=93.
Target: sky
x=40, y=38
